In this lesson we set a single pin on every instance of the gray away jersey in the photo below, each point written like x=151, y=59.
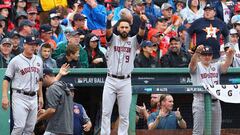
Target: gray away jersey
x=121, y=54
x=25, y=73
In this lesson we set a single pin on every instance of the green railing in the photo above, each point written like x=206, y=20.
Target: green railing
x=144, y=80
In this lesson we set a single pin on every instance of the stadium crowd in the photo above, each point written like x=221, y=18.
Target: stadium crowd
x=73, y=32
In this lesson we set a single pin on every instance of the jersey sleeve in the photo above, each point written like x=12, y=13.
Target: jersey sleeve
x=111, y=39
x=85, y=116
x=11, y=69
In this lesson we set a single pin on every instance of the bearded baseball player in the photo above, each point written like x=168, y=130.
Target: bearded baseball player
x=120, y=57
x=204, y=71
x=25, y=74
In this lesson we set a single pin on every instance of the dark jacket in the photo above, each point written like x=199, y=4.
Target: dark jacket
x=142, y=61
x=99, y=53
x=172, y=59
x=4, y=62
x=62, y=60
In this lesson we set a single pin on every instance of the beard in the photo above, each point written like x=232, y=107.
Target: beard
x=153, y=105
x=124, y=35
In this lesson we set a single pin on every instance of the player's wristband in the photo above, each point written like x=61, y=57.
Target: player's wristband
x=143, y=25
x=109, y=24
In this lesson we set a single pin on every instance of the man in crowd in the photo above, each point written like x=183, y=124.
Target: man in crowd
x=165, y=118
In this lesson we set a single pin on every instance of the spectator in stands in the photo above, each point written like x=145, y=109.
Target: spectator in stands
x=236, y=57
x=60, y=102
x=182, y=34
x=152, y=11
x=204, y=71
x=25, y=29
x=126, y=14
x=45, y=51
x=5, y=52
x=21, y=15
x=32, y=16
x=165, y=118
x=96, y=15
x=20, y=6
x=2, y=27
x=191, y=12
x=237, y=9
x=71, y=57
x=223, y=12
x=58, y=34
x=157, y=53
x=78, y=23
x=180, y=5
x=73, y=38
x=82, y=122
x=96, y=58
x=176, y=56
x=45, y=33
x=5, y=12
x=173, y=20
x=144, y=58
x=208, y=30
x=203, y=3
x=15, y=38
x=117, y=15
x=236, y=25
x=233, y=39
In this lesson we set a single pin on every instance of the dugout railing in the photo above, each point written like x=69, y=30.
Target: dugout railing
x=144, y=80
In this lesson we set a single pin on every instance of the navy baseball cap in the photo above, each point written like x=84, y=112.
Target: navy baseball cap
x=47, y=71
x=79, y=17
x=209, y=6
x=45, y=28
x=54, y=14
x=146, y=43
x=21, y=14
x=13, y=34
x=161, y=19
x=71, y=86
x=31, y=40
x=25, y=22
x=207, y=50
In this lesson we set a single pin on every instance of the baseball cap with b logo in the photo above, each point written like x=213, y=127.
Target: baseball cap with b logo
x=207, y=50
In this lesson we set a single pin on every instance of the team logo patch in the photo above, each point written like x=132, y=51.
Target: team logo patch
x=213, y=68
x=211, y=31
x=128, y=42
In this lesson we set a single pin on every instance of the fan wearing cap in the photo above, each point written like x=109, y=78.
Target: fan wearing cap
x=144, y=58
x=233, y=39
x=96, y=15
x=21, y=15
x=46, y=34
x=73, y=37
x=167, y=12
x=208, y=30
x=176, y=56
x=180, y=5
x=58, y=34
x=59, y=115
x=5, y=52
x=96, y=58
x=15, y=38
x=32, y=15
x=79, y=23
x=24, y=73
x=204, y=71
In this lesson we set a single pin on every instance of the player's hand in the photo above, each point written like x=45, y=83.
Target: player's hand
x=199, y=49
x=5, y=103
x=40, y=102
x=143, y=17
x=178, y=114
x=110, y=16
x=87, y=126
x=97, y=60
x=64, y=69
x=40, y=112
x=230, y=52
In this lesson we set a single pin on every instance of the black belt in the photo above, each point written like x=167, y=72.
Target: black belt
x=214, y=100
x=119, y=77
x=30, y=93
